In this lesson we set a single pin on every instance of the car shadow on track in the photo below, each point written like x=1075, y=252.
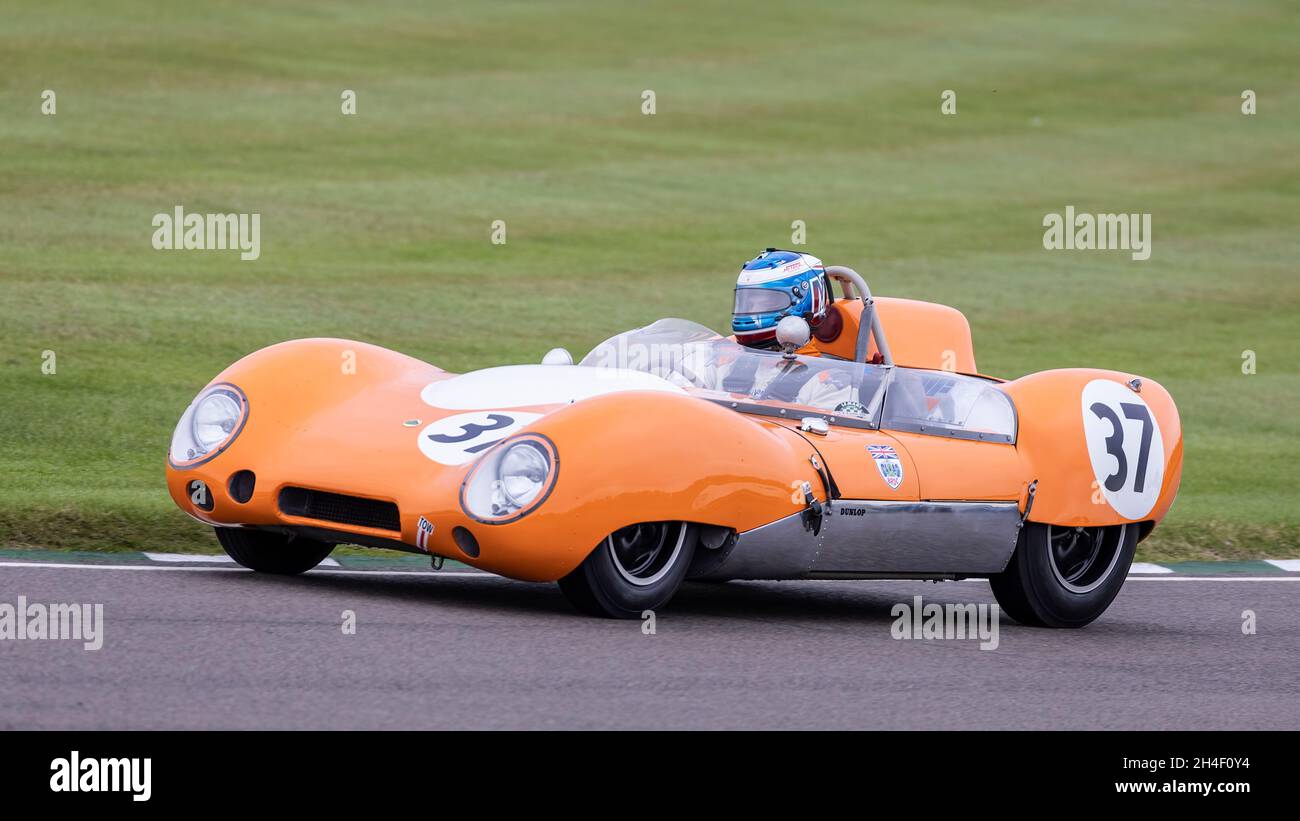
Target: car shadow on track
x=812, y=602
x=461, y=590
x=791, y=602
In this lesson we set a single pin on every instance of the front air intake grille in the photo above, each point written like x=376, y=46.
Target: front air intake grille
x=336, y=507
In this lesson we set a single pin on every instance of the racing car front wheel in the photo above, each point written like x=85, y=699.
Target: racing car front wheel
x=635, y=569
x=1064, y=576
x=269, y=552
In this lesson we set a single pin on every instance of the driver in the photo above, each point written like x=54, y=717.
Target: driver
x=771, y=286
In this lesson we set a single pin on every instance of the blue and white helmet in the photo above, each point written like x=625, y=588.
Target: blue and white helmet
x=773, y=285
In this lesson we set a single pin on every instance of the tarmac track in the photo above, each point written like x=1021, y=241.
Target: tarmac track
x=220, y=647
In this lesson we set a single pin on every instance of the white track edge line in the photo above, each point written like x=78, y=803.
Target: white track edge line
x=484, y=575
x=182, y=569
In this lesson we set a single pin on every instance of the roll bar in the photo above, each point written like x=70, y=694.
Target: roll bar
x=869, y=322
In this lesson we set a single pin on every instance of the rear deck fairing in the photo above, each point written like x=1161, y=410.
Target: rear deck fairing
x=1104, y=446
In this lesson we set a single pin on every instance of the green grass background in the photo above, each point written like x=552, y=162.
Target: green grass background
x=376, y=227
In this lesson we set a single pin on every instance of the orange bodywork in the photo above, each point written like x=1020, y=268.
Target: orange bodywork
x=920, y=334
x=1053, y=452
x=631, y=456
x=624, y=458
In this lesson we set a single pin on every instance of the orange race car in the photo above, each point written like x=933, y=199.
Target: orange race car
x=875, y=450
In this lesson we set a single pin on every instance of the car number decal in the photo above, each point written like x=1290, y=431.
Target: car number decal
x=1125, y=447
x=455, y=440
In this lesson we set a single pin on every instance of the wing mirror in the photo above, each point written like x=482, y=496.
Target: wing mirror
x=557, y=356
x=792, y=333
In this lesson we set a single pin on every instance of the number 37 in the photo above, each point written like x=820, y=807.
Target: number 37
x=1115, y=443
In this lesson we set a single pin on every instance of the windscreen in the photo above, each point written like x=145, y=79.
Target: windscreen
x=918, y=399
x=692, y=356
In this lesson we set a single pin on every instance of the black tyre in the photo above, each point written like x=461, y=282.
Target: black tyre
x=269, y=552
x=1064, y=576
x=635, y=569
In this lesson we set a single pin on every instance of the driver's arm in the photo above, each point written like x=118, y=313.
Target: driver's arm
x=826, y=390
x=692, y=366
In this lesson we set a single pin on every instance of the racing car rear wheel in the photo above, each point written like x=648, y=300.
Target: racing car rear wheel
x=1064, y=576
x=635, y=569
x=269, y=552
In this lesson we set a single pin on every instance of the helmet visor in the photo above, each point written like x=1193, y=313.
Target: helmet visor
x=761, y=300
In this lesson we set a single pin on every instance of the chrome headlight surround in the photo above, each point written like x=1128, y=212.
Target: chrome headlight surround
x=209, y=425
x=511, y=480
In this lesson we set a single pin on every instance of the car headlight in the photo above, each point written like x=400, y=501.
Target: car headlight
x=510, y=480
x=209, y=425
x=522, y=473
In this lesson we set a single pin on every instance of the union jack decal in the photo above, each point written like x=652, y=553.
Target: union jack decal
x=888, y=463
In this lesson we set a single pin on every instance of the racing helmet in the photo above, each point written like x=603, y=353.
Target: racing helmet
x=773, y=285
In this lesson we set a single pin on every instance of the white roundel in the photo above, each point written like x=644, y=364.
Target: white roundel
x=455, y=440
x=517, y=386
x=1125, y=447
